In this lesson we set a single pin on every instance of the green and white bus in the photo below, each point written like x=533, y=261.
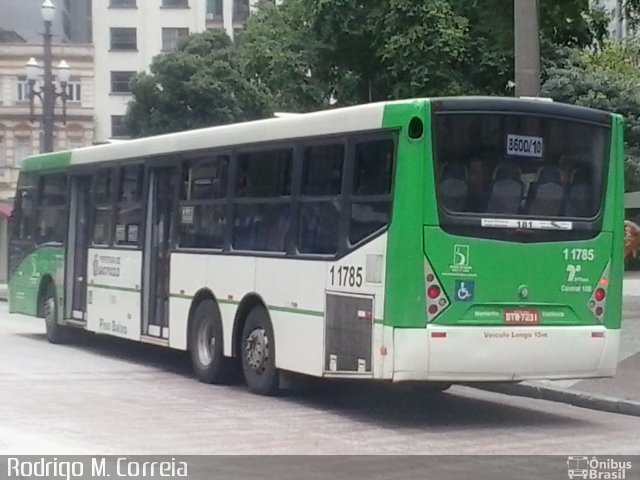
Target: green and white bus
x=438, y=240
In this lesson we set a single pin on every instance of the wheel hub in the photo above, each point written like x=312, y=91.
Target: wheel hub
x=257, y=349
x=206, y=343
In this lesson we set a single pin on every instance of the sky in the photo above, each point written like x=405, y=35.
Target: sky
x=23, y=16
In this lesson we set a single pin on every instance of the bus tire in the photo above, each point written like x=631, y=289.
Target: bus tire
x=258, y=353
x=207, y=353
x=56, y=333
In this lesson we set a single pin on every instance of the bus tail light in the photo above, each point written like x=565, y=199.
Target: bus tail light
x=437, y=301
x=598, y=300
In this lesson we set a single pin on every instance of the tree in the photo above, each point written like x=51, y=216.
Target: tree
x=278, y=51
x=604, y=79
x=489, y=60
x=383, y=49
x=199, y=84
x=305, y=51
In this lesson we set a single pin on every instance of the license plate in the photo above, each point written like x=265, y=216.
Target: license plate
x=521, y=316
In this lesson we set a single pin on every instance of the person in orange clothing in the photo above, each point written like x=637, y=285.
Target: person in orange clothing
x=631, y=238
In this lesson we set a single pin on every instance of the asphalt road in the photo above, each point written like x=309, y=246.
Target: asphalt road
x=104, y=396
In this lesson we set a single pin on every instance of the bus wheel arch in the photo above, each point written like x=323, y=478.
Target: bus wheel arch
x=248, y=303
x=48, y=310
x=205, y=339
x=46, y=283
x=256, y=347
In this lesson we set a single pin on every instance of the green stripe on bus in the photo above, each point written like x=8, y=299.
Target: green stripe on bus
x=111, y=287
x=47, y=161
x=313, y=313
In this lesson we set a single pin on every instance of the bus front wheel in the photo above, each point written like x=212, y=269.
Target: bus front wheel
x=56, y=333
x=258, y=353
x=207, y=356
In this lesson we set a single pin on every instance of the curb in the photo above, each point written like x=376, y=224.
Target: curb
x=572, y=397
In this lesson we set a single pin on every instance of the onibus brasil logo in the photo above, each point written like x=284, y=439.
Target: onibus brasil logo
x=597, y=469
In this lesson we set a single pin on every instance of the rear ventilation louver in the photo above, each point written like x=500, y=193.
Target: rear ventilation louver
x=436, y=299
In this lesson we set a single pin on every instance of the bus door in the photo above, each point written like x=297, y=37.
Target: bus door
x=159, y=225
x=77, y=248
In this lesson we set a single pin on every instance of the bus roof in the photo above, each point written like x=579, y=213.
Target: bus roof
x=327, y=122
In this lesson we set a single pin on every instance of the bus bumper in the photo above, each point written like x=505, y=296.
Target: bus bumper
x=468, y=354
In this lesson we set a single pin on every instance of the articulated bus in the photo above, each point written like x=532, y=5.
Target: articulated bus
x=444, y=240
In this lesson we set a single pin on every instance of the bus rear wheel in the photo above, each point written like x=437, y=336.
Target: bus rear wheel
x=56, y=333
x=207, y=354
x=258, y=353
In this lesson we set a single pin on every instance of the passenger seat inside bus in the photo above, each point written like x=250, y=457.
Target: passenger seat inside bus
x=453, y=186
x=506, y=189
x=546, y=195
x=578, y=199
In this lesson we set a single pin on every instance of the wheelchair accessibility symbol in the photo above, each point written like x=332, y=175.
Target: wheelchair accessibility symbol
x=464, y=290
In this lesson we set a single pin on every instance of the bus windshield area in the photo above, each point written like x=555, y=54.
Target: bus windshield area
x=516, y=165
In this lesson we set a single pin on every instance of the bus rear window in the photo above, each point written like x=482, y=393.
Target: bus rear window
x=515, y=165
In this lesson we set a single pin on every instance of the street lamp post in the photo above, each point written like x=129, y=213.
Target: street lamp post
x=48, y=92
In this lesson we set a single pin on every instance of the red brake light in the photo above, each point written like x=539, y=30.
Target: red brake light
x=433, y=309
x=599, y=294
x=433, y=291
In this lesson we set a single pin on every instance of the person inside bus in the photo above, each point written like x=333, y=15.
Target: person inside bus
x=578, y=198
x=453, y=186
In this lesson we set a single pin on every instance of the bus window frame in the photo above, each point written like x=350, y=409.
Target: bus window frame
x=112, y=170
x=196, y=160
x=42, y=177
x=458, y=223
x=293, y=147
x=118, y=204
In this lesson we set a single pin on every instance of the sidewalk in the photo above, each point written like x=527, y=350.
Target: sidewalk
x=631, y=284
x=620, y=394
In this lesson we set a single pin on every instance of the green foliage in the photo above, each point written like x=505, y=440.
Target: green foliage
x=603, y=79
x=305, y=55
x=489, y=61
x=278, y=52
x=198, y=85
x=422, y=49
x=355, y=50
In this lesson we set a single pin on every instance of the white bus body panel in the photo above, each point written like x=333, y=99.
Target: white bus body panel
x=340, y=121
x=505, y=353
x=113, y=292
x=294, y=291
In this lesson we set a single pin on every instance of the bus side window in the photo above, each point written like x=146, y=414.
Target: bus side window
x=203, y=203
x=129, y=206
x=262, y=208
x=23, y=216
x=320, y=209
x=102, y=197
x=371, y=198
x=53, y=209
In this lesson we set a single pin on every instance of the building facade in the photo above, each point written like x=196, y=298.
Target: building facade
x=615, y=9
x=127, y=34
x=19, y=136
x=72, y=23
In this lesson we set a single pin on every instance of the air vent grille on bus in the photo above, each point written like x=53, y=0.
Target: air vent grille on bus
x=437, y=300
